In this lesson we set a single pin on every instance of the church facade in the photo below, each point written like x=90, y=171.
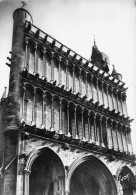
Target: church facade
x=64, y=126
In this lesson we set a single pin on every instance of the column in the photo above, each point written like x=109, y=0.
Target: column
x=35, y=57
x=107, y=132
x=111, y=89
x=102, y=92
x=67, y=78
x=120, y=147
x=43, y=111
x=125, y=106
x=52, y=72
x=80, y=84
x=26, y=182
x=117, y=100
x=23, y=101
x=33, y=108
x=77, y=137
x=101, y=134
x=52, y=115
x=91, y=79
x=44, y=62
x=122, y=138
x=69, y=135
x=60, y=111
x=26, y=53
x=59, y=74
x=97, y=90
x=95, y=128
x=130, y=142
x=106, y=87
x=126, y=139
x=115, y=127
x=86, y=84
x=89, y=129
x=73, y=79
x=83, y=129
x=111, y=123
x=121, y=103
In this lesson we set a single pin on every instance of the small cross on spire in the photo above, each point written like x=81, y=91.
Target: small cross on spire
x=94, y=41
x=113, y=65
x=23, y=3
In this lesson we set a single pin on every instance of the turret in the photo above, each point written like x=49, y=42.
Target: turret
x=99, y=59
x=17, y=63
x=115, y=74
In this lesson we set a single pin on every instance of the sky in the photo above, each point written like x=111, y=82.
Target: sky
x=75, y=23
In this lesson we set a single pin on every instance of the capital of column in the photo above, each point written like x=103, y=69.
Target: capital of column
x=26, y=41
x=35, y=46
x=34, y=91
x=27, y=172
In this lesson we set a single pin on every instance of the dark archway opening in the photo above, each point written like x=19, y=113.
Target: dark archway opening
x=126, y=182
x=92, y=178
x=47, y=175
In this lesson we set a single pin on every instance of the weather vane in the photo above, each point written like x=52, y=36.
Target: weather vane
x=23, y=3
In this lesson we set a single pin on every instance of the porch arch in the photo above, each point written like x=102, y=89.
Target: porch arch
x=91, y=176
x=44, y=173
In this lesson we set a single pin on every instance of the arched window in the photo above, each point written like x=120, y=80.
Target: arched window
x=28, y=105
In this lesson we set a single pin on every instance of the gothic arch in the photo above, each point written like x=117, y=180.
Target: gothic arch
x=90, y=169
x=126, y=181
x=45, y=169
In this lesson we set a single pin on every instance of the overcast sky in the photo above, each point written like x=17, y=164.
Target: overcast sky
x=75, y=23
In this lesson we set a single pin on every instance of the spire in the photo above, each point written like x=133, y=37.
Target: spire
x=115, y=74
x=4, y=93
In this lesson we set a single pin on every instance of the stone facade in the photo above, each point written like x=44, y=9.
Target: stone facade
x=64, y=125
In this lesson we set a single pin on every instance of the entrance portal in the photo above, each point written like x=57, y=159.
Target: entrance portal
x=47, y=175
x=92, y=177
